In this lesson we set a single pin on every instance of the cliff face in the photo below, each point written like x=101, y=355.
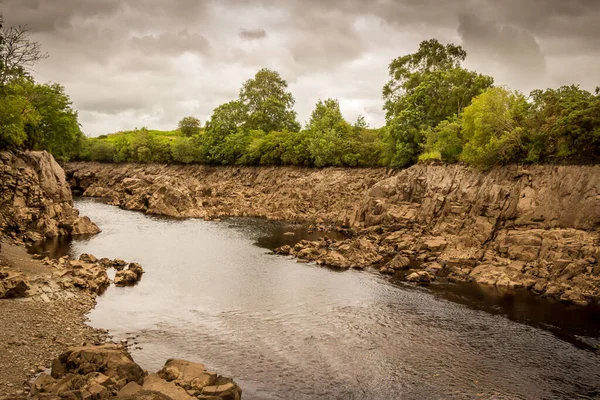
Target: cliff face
x=35, y=199
x=535, y=227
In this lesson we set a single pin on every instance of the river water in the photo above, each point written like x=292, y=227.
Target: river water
x=213, y=293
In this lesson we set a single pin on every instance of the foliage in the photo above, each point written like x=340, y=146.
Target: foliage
x=444, y=142
x=189, y=126
x=425, y=88
x=492, y=127
x=268, y=103
x=564, y=124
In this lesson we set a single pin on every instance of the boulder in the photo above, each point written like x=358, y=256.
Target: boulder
x=420, y=277
x=129, y=276
x=109, y=359
x=283, y=250
x=13, y=285
x=155, y=383
x=188, y=375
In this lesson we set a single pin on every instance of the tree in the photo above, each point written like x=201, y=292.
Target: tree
x=268, y=103
x=184, y=151
x=58, y=129
x=17, y=52
x=227, y=119
x=425, y=88
x=564, y=123
x=492, y=127
x=16, y=116
x=444, y=142
x=189, y=126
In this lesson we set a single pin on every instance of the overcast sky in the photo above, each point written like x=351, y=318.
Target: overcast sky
x=134, y=63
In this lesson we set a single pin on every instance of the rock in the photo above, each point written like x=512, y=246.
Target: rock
x=227, y=391
x=398, y=263
x=88, y=258
x=420, y=277
x=129, y=390
x=188, y=375
x=36, y=199
x=129, y=276
x=283, y=250
x=13, y=285
x=289, y=234
x=112, y=360
x=155, y=383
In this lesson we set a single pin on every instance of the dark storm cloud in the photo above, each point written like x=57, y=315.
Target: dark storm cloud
x=502, y=47
x=253, y=34
x=130, y=63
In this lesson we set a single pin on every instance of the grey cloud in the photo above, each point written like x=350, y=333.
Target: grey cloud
x=130, y=63
x=495, y=46
x=253, y=34
x=170, y=43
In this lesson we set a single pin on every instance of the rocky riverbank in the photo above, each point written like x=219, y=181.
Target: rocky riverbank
x=43, y=302
x=534, y=227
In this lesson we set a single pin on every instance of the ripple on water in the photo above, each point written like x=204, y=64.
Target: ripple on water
x=288, y=330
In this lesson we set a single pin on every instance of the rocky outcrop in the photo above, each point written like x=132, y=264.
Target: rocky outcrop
x=281, y=193
x=536, y=227
x=108, y=371
x=35, y=199
x=89, y=273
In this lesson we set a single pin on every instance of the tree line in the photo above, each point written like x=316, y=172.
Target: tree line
x=436, y=110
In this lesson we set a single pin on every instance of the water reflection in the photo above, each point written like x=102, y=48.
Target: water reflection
x=288, y=330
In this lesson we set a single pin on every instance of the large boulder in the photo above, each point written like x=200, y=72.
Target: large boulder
x=129, y=276
x=13, y=285
x=109, y=359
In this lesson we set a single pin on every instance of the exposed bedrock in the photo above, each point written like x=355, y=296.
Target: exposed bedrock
x=35, y=199
x=535, y=227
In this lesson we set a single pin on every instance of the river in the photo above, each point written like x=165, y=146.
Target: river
x=213, y=293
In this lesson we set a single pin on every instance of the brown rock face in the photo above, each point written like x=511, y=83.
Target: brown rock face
x=35, y=199
x=535, y=227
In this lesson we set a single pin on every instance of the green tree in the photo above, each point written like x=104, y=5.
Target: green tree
x=184, y=150
x=189, y=126
x=268, y=103
x=58, y=130
x=17, y=115
x=444, y=142
x=492, y=127
x=226, y=120
x=425, y=88
x=102, y=151
x=564, y=123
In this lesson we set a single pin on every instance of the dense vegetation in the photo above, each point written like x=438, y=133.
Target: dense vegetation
x=32, y=115
x=435, y=110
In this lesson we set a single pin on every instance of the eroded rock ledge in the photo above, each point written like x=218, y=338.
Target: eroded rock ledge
x=35, y=199
x=534, y=227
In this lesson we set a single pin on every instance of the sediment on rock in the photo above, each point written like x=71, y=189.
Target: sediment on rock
x=534, y=227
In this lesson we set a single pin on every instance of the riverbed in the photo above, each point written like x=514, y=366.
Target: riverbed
x=214, y=293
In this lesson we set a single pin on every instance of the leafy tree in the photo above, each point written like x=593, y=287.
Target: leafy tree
x=123, y=151
x=444, y=142
x=564, y=123
x=425, y=88
x=492, y=127
x=58, y=128
x=227, y=119
x=184, y=151
x=16, y=116
x=268, y=103
x=102, y=151
x=189, y=126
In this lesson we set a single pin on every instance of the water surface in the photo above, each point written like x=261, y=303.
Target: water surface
x=285, y=330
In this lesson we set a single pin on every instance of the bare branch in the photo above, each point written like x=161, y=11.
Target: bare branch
x=18, y=53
